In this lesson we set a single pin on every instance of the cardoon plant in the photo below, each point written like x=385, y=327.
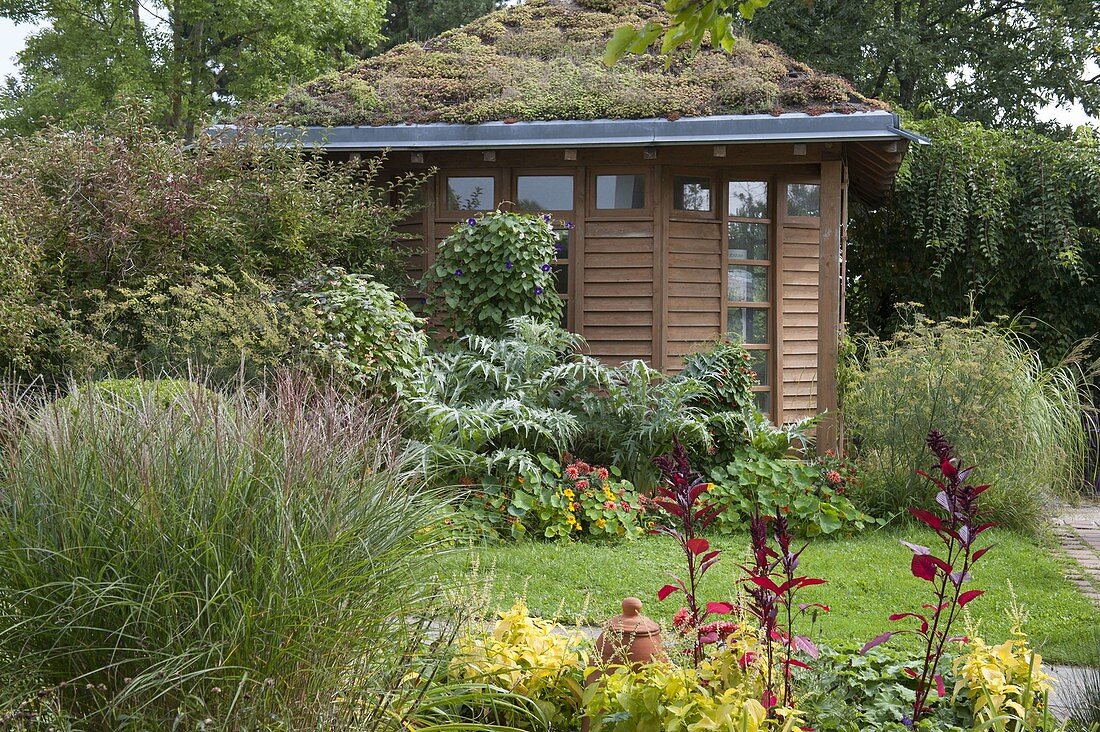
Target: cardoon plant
x=956, y=524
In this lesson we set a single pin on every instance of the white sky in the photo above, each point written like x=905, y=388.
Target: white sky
x=12, y=37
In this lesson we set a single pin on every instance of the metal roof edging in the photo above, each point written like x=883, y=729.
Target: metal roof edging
x=719, y=129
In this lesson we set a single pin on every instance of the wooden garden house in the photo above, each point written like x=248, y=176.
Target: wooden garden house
x=707, y=196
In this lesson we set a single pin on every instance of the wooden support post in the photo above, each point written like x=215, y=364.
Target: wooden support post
x=829, y=295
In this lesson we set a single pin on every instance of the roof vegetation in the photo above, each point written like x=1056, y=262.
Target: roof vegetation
x=542, y=60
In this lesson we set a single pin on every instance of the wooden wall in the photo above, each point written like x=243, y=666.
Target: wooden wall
x=651, y=283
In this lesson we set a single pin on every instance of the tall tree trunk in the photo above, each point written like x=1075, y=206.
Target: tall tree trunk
x=176, y=70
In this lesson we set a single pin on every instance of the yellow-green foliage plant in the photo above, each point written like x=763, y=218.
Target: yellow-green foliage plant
x=721, y=695
x=980, y=384
x=1005, y=684
x=523, y=656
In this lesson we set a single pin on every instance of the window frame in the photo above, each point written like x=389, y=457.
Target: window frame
x=646, y=212
x=567, y=215
x=733, y=175
x=443, y=202
x=676, y=214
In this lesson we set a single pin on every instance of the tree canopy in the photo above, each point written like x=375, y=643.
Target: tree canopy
x=419, y=20
x=992, y=61
x=1005, y=222
x=184, y=58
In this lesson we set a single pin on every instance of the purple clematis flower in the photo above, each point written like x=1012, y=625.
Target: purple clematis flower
x=471, y=222
x=546, y=218
x=508, y=264
x=569, y=224
x=458, y=273
x=545, y=268
x=538, y=290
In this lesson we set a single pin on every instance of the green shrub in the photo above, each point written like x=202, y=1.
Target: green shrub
x=203, y=318
x=115, y=212
x=492, y=269
x=1018, y=421
x=368, y=333
x=168, y=564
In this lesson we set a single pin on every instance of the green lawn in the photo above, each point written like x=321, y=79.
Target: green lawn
x=868, y=578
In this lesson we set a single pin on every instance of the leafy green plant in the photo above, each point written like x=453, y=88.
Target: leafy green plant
x=980, y=384
x=488, y=406
x=812, y=494
x=165, y=561
x=368, y=333
x=576, y=499
x=491, y=269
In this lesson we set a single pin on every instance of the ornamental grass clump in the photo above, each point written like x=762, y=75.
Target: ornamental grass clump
x=242, y=561
x=982, y=385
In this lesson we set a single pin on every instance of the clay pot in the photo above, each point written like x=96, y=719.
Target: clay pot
x=630, y=638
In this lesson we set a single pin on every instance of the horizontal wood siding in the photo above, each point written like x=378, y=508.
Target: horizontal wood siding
x=618, y=271
x=694, y=290
x=798, y=319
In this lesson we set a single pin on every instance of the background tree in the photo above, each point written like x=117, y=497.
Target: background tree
x=992, y=61
x=1006, y=222
x=418, y=20
x=184, y=58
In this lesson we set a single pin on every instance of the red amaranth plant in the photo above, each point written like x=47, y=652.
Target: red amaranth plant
x=957, y=527
x=774, y=579
x=680, y=500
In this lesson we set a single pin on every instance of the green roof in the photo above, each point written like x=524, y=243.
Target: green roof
x=542, y=60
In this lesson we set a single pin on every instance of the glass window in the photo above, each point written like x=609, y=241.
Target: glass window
x=562, y=247
x=803, y=199
x=747, y=283
x=470, y=193
x=758, y=362
x=749, y=199
x=620, y=191
x=690, y=193
x=544, y=192
x=749, y=324
x=748, y=241
x=763, y=401
x=561, y=278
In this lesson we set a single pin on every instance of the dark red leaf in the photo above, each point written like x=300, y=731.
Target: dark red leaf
x=876, y=641
x=766, y=583
x=927, y=517
x=983, y=528
x=909, y=672
x=698, y=546
x=719, y=608
x=809, y=581
x=969, y=595
x=797, y=663
x=666, y=591
x=807, y=646
x=978, y=554
x=940, y=689
x=923, y=567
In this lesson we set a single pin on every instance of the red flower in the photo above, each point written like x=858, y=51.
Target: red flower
x=571, y=473
x=682, y=619
x=834, y=477
x=582, y=484
x=602, y=473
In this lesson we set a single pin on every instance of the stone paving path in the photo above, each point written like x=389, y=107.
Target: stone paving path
x=1078, y=530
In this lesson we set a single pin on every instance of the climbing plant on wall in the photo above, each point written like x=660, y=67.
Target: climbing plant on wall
x=1005, y=222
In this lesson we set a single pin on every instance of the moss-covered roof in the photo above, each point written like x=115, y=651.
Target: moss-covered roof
x=541, y=60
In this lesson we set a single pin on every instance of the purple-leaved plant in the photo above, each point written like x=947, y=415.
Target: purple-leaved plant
x=680, y=499
x=956, y=524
